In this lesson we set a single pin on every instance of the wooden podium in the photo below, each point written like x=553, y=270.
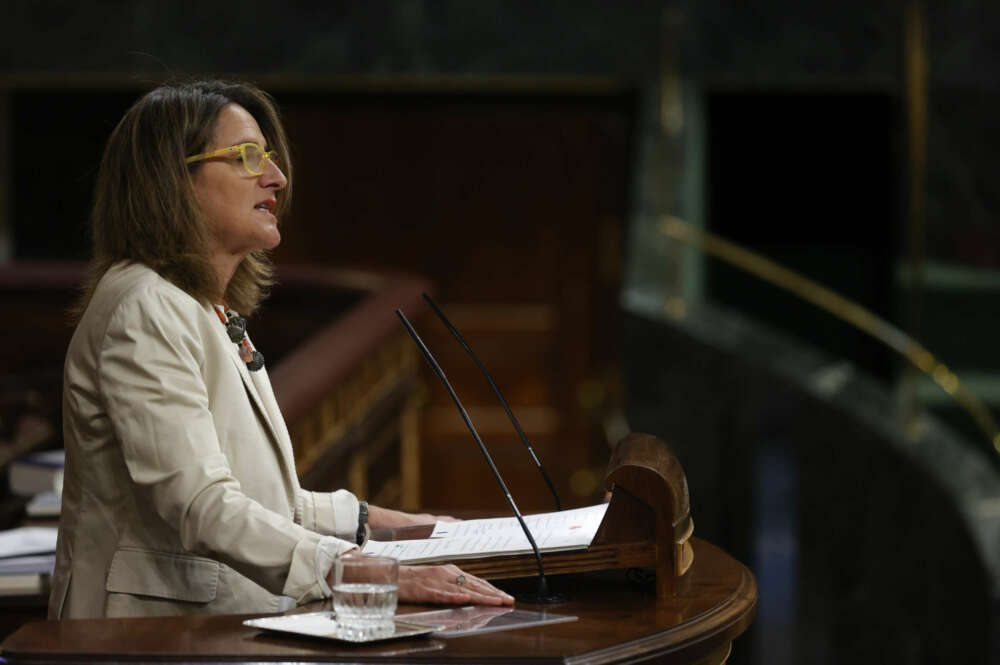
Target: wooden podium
x=648, y=524
x=703, y=599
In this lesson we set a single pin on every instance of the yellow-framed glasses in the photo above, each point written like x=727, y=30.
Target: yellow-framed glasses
x=254, y=157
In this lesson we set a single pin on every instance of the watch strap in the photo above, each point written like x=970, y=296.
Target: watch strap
x=362, y=522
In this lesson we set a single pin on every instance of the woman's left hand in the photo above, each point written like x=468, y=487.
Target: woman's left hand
x=447, y=584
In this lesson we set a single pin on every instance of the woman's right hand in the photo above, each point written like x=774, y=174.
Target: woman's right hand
x=382, y=518
x=440, y=584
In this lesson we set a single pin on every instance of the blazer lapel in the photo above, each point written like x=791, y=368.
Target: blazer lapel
x=277, y=430
x=262, y=396
x=251, y=387
x=262, y=382
x=241, y=367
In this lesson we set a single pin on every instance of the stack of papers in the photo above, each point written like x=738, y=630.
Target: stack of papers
x=27, y=558
x=28, y=540
x=474, y=539
x=37, y=472
x=44, y=504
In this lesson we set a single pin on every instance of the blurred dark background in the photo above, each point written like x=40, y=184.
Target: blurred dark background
x=522, y=156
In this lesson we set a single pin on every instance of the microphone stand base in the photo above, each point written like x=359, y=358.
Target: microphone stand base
x=541, y=599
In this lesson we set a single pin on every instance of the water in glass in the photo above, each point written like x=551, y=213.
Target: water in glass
x=364, y=596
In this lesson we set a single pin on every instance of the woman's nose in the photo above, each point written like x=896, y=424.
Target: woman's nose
x=272, y=176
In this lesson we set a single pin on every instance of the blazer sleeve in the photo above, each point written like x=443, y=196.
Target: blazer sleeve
x=329, y=513
x=151, y=378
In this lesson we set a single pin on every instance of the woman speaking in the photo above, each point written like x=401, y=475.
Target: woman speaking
x=180, y=494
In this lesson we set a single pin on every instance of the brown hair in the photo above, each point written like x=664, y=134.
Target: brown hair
x=145, y=210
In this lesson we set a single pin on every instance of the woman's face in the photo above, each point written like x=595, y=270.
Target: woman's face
x=238, y=205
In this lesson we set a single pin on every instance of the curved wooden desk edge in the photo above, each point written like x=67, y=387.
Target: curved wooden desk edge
x=617, y=624
x=704, y=638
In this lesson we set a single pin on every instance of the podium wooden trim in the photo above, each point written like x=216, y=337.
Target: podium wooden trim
x=648, y=523
x=617, y=622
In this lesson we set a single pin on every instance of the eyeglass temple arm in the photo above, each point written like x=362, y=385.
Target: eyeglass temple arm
x=209, y=155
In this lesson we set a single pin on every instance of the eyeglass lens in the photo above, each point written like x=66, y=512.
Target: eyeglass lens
x=253, y=158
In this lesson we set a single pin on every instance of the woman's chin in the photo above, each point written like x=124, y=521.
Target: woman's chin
x=271, y=239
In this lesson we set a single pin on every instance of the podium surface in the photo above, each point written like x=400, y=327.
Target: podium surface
x=617, y=622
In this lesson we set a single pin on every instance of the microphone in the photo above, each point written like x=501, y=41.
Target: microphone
x=496, y=390
x=543, y=595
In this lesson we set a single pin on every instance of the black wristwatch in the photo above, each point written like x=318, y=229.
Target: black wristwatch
x=362, y=521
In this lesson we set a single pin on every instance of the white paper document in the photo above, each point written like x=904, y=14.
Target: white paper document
x=28, y=540
x=471, y=539
x=37, y=564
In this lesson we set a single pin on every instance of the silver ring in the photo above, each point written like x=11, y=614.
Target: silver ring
x=460, y=580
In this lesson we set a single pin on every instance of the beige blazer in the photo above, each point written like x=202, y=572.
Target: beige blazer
x=180, y=494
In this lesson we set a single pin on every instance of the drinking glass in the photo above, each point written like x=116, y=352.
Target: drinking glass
x=364, y=596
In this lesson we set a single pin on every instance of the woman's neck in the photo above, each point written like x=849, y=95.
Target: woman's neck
x=225, y=267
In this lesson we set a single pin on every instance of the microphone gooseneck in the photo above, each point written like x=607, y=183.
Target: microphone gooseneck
x=496, y=390
x=543, y=595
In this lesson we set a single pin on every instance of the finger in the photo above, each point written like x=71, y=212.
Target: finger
x=434, y=591
x=482, y=586
x=480, y=583
x=483, y=599
x=444, y=596
x=439, y=584
x=499, y=598
x=482, y=592
x=467, y=596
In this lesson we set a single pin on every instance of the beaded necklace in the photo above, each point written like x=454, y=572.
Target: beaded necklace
x=236, y=328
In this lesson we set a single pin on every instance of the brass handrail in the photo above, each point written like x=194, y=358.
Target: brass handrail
x=840, y=307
